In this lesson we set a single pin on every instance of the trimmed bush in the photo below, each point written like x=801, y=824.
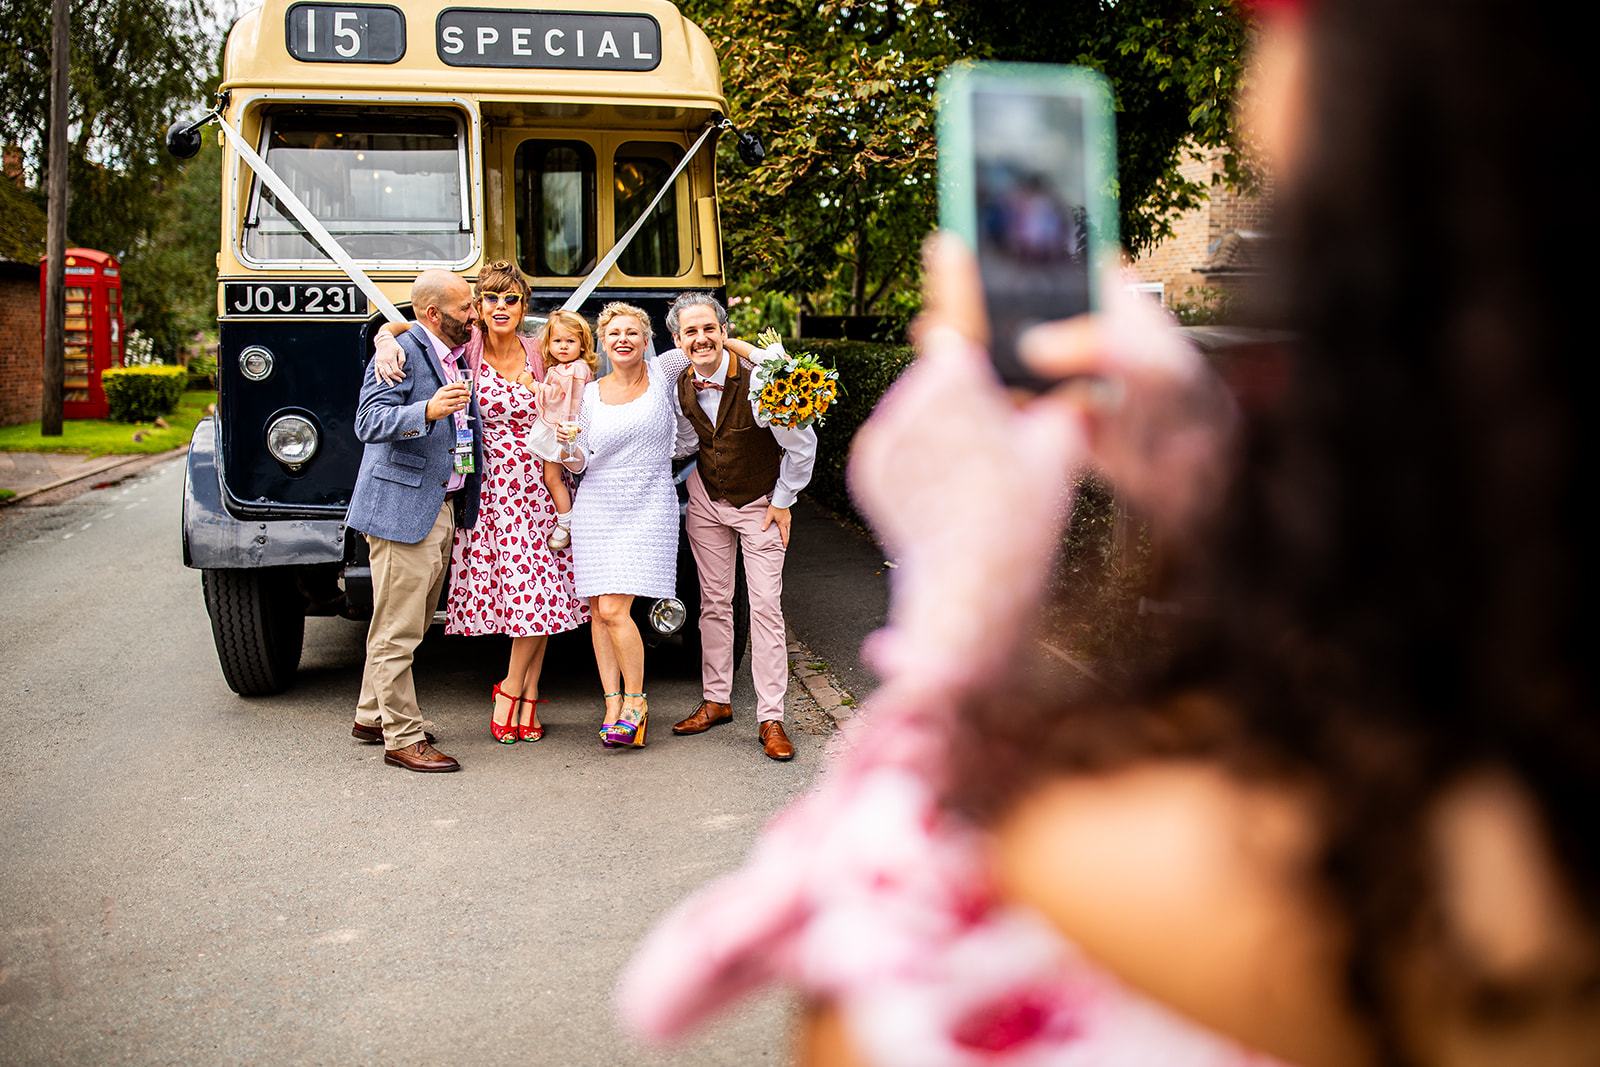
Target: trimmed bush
x=139, y=394
x=866, y=369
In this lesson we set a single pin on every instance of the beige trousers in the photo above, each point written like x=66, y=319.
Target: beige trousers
x=406, y=583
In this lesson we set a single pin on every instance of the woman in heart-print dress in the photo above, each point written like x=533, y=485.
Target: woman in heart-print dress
x=503, y=577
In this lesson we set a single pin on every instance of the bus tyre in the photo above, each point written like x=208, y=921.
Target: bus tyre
x=258, y=623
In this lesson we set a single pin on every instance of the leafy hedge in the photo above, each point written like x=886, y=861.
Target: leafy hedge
x=202, y=371
x=866, y=370
x=139, y=394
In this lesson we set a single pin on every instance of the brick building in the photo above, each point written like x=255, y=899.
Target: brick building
x=22, y=227
x=21, y=353
x=1217, y=245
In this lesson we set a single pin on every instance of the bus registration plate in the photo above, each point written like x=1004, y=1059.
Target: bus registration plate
x=293, y=298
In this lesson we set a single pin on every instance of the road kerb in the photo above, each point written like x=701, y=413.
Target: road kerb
x=154, y=457
x=830, y=695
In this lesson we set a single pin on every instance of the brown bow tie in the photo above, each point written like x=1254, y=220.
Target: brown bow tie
x=702, y=384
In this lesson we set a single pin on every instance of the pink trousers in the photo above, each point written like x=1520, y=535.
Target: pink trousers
x=716, y=530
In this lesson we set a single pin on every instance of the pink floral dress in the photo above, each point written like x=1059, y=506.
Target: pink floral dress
x=503, y=580
x=865, y=892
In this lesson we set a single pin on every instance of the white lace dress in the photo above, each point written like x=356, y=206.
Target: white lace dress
x=625, y=513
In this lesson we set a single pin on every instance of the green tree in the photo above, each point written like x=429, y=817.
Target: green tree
x=1174, y=66
x=842, y=93
x=22, y=223
x=135, y=64
x=176, y=263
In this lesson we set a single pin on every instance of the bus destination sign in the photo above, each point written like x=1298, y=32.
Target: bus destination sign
x=546, y=40
x=345, y=33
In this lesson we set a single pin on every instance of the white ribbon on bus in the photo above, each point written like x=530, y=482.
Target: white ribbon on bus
x=336, y=252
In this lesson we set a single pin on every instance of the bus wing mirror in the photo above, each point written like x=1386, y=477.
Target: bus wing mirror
x=183, y=140
x=751, y=149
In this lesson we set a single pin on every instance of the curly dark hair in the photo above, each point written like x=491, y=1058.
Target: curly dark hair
x=1401, y=589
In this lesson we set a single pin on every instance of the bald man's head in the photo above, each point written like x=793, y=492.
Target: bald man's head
x=442, y=302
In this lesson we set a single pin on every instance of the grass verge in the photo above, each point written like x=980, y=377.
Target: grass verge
x=102, y=437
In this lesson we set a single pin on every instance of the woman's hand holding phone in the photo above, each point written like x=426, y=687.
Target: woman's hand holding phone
x=1148, y=410
x=1158, y=420
x=968, y=492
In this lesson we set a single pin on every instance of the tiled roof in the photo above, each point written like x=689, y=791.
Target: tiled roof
x=1238, y=253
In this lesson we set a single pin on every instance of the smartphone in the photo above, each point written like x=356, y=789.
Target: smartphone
x=1027, y=176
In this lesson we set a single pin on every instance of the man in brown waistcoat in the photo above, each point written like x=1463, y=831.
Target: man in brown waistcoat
x=745, y=481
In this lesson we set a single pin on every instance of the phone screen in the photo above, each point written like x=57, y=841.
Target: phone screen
x=1031, y=184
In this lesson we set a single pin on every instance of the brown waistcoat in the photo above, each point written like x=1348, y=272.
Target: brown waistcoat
x=738, y=459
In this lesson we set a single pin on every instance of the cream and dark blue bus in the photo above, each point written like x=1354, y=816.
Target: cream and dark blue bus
x=366, y=143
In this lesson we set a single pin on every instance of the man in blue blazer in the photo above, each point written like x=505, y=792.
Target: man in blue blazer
x=408, y=496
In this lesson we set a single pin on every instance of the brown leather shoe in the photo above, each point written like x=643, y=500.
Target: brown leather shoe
x=421, y=757
x=704, y=718
x=370, y=734
x=775, y=742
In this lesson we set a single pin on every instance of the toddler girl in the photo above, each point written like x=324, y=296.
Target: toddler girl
x=570, y=363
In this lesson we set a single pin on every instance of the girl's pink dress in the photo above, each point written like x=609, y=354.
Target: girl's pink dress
x=567, y=381
x=503, y=578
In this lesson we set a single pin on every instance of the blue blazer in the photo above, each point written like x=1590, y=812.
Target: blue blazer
x=406, y=463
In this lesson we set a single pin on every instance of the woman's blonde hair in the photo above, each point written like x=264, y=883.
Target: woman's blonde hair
x=501, y=276
x=572, y=322
x=617, y=309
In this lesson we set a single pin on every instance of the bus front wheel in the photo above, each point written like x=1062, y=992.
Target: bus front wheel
x=258, y=622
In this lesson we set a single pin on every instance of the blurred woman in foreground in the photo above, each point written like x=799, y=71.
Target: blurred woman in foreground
x=1349, y=819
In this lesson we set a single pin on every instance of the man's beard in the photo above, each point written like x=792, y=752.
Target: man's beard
x=456, y=331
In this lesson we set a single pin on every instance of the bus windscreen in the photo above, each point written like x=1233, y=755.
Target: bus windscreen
x=389, y=187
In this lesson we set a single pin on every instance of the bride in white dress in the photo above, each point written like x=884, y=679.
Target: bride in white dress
x=625, y=513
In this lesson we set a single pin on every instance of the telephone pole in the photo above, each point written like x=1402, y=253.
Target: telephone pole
x=55, y=296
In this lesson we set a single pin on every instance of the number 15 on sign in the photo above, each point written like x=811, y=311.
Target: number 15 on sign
x=345, y=33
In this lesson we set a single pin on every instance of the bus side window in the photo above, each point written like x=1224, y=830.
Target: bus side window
x=642, y=168
x=555, y=204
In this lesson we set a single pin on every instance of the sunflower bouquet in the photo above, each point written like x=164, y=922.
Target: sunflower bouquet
x=794, y=391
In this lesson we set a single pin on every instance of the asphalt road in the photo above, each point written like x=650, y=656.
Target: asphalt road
x=189, y=877
x=836, y=591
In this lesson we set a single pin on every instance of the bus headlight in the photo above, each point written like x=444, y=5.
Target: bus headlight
x=255, y=363
x=292, y=440
x=667, y=615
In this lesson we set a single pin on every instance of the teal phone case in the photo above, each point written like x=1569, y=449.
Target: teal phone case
x=957, y=155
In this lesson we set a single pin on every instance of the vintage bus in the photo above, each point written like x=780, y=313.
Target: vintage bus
x=417, y=136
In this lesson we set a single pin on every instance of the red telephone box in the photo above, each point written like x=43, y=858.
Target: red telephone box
x=94, y=329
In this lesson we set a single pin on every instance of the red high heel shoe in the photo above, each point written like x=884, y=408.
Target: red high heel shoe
x=530, y=732
x=504, y=732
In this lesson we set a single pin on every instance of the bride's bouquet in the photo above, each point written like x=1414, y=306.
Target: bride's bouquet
x=794, y=391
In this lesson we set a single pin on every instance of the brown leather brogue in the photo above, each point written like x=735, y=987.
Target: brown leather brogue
x=369, y=734
x=774, y=742
x=707, y=715
x=420, y=757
